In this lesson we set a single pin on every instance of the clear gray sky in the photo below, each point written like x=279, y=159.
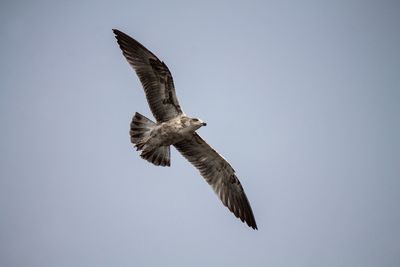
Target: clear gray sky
x=302, y=97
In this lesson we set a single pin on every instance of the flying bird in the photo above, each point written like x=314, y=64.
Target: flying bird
x=174, y=127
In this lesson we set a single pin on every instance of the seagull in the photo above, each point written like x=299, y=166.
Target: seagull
x=174, y=127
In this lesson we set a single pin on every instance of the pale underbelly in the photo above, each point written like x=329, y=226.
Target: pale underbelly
x=159, y=138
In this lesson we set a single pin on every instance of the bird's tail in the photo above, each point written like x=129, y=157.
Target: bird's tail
x=140, y=133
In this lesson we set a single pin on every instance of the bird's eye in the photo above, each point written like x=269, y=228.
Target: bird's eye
x=196, y=119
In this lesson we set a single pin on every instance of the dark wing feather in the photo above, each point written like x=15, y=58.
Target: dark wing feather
x=154, y=76
x=220, y=175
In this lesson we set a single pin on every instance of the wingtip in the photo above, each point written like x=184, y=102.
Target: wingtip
x=117, y=32
x=253, y=225
x=250, y=220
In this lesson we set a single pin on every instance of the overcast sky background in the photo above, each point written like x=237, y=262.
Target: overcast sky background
x=302, y=97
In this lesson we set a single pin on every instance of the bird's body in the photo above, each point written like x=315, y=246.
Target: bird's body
x=172, y=131
x=174, y=127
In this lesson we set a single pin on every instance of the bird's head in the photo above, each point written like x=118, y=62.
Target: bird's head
x=197, y=123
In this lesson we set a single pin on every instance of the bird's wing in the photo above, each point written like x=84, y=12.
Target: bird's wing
x=154, y=76
x=220, y=175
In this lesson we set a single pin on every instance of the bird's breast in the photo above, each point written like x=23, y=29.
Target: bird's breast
x=167, y=134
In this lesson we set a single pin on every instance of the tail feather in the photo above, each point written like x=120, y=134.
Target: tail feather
x=140, y=128
x=140, y=134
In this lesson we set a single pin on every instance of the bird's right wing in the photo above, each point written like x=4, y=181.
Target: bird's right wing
x=220, y=175
x=154, y=76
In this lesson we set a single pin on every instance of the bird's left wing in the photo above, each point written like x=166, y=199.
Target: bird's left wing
x=154, y=75
x=220, y=175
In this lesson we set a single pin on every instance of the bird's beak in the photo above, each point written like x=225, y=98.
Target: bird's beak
x=204, y=124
